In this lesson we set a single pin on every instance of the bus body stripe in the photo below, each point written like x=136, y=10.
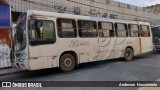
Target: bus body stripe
x=140, y=45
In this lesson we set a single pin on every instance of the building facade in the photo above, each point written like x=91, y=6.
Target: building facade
x=98, y=8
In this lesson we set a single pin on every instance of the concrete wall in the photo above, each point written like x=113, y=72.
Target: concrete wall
x=99, y=8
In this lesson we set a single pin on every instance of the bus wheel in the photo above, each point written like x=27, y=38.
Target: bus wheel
x=67, y=62
x=158, y=51
x=128, y=55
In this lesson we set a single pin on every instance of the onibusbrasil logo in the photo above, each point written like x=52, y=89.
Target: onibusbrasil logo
x=20, y=84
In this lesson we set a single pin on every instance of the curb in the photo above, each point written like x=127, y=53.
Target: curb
x=10, y=71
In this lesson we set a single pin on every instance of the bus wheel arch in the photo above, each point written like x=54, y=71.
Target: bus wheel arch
x=129, y=53
x=70, y=57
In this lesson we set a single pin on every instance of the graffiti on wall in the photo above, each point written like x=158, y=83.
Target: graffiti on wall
x=94, y=12
x=108, y=2
x=136, y=19
x=113, y=16
x=91, y=0
x=77, y=10
x=105, y=15
x=60, y=9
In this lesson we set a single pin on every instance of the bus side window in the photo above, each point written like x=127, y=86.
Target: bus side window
x=66, y=28
x=87, y=28
x=105, y=29
x=35, y=26
x=121, y=30
x=41, y=32
x=133, y=30
x=144, y=31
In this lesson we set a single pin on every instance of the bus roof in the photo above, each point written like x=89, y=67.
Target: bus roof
x=71, y=16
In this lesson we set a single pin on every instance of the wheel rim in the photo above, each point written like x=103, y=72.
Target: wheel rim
x=67, y=62
x=128, y=54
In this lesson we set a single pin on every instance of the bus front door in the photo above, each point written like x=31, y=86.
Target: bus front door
x=43, y=46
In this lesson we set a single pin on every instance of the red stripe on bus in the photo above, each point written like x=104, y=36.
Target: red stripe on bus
x=140, y=44
x=33, y=58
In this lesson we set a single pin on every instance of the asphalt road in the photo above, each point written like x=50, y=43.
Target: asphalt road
x=144, y=68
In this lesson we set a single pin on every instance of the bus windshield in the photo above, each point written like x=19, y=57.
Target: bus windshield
x=156, y=34
x=20, y=37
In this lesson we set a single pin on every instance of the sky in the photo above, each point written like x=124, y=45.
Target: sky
x=140, y=3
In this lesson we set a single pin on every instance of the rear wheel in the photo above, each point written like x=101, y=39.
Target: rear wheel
x=158, y=51
x=129, y=54
x=67, y=62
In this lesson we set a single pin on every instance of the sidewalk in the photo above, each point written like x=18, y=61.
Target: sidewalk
x=9, y=70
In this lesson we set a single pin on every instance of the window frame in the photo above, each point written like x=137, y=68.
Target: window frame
x=94, y=21
x=129, y=30
x=42, y=42
x=67, y=28
x=116, y=33
x=106, y=29
x=148, y=27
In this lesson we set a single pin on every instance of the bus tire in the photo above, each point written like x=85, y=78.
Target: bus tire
x=67, y=62
x=158, y=51
x=129, y=54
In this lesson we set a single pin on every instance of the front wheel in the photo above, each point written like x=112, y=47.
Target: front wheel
x=67, y=62
x=129, y=54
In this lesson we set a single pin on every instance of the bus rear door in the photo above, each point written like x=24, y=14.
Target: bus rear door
x=145, y=39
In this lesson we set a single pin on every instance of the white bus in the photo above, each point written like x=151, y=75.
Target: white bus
x=47, y=40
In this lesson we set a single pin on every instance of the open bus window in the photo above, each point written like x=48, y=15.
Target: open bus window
x=121, y=29
x=66, y=28
x=41, y=32
x=87, y=28
x=105, y=29
x=145, y=31
x=133, y=29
